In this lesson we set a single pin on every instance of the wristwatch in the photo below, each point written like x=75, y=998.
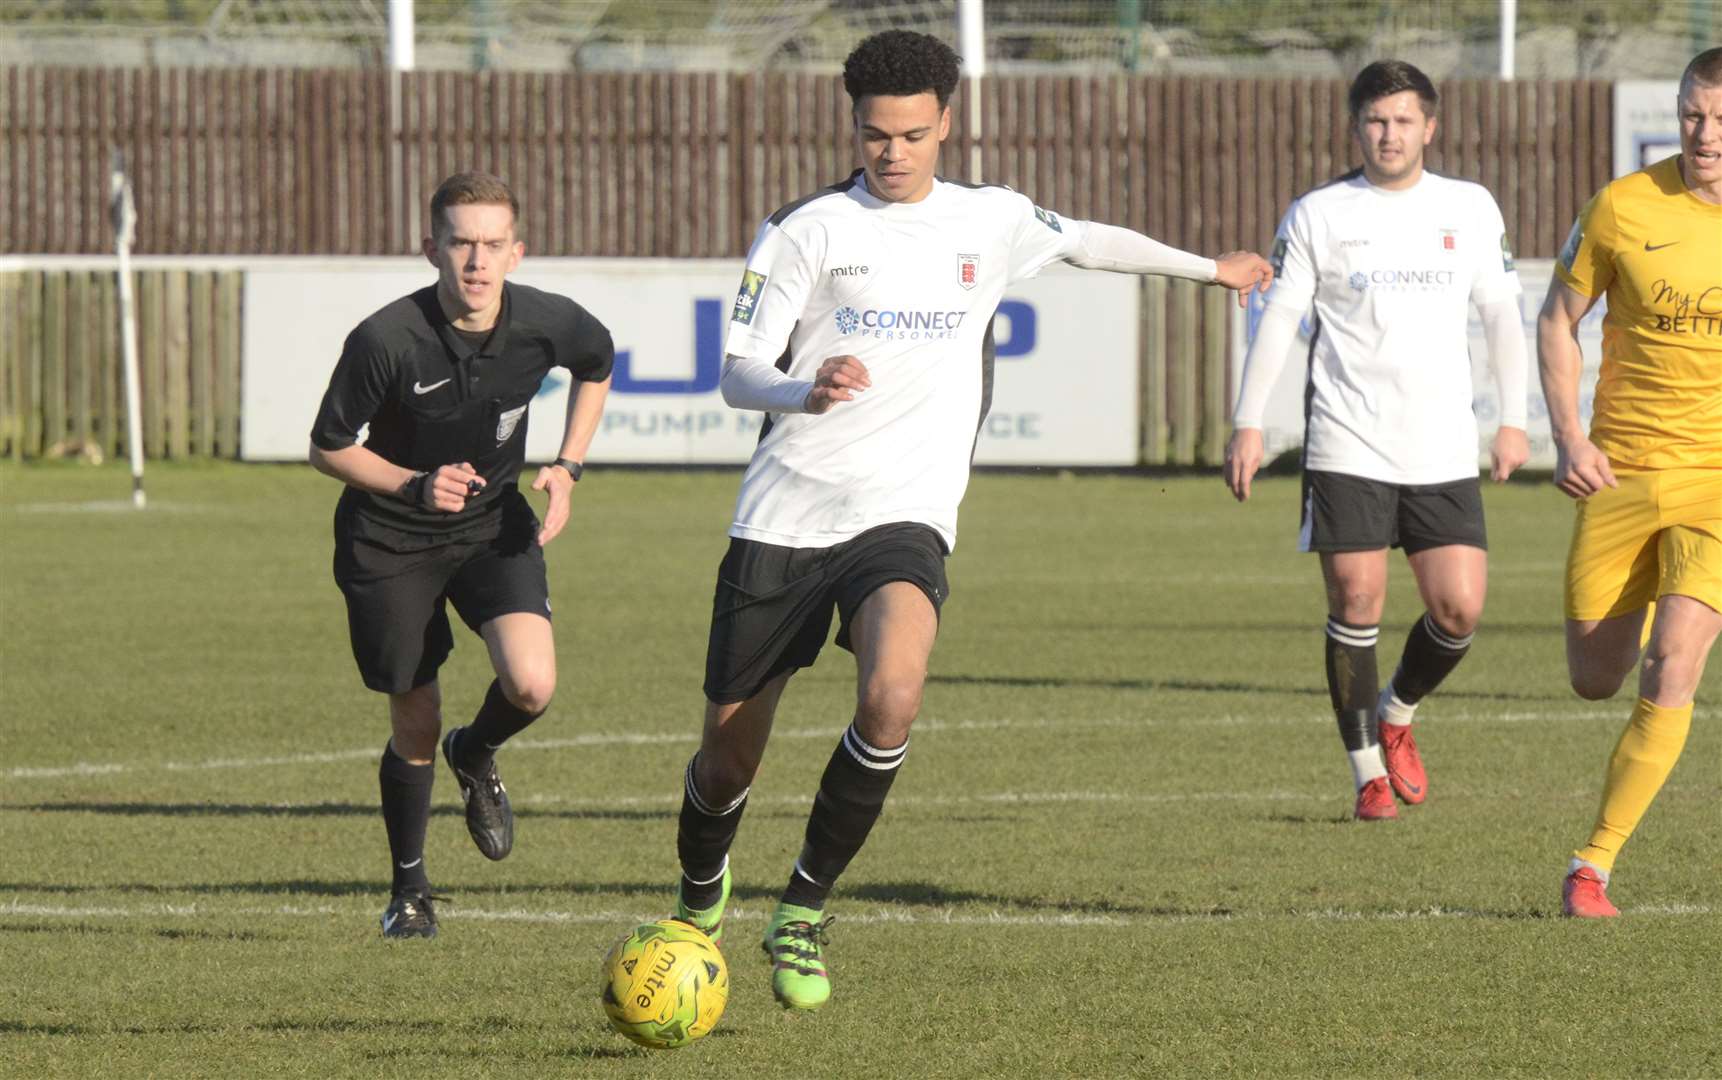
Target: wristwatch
x=572, y=468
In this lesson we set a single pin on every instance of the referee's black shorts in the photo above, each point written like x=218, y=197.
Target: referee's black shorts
x=773, y=604
x=397, y=588
x=1354, y=513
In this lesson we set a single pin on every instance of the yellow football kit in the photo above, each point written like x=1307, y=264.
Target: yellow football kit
x=1655, y=248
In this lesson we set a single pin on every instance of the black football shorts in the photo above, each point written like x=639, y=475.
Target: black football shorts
x=773, y=604
x=396, y=599
x=1353, y=513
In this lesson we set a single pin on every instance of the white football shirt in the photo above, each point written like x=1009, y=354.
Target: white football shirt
x=1390, y=276
x=909, y=289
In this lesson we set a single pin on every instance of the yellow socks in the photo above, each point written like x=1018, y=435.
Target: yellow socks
x=1642, y=760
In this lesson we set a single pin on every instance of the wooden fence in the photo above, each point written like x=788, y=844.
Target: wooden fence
x=62, y=389
x=288, y=161
x=62, y=382
x=258, y=162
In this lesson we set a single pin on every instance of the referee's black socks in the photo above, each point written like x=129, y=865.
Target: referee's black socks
x=406, y=791
x=851, y=795
x=498, y=720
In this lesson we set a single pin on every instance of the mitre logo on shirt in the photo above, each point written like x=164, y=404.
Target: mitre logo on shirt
x=887, y=324
x=968, y=270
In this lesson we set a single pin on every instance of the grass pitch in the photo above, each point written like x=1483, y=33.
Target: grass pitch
x=1119, y=846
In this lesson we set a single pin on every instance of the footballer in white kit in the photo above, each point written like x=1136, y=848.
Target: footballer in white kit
x=863, y=330
x=1387, y=261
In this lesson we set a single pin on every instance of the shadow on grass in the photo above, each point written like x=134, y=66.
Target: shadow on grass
x=1312, y=819
x=906, y=893
x=80, y=929
x=366, y=810
x=1059, y=682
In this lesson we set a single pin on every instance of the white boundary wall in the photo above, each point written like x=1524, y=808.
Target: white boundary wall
x=1064, y=392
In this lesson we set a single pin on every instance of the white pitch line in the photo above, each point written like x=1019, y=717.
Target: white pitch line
x=874, y=915
x=923, y=727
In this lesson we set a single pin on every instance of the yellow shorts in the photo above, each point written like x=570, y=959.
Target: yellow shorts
x=1659, y=532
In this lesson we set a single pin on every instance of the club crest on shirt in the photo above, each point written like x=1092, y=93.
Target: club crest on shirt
x=1449, y=239
x=747, y=298
x=968, y=270
x=1049, y=219
x=507, y=422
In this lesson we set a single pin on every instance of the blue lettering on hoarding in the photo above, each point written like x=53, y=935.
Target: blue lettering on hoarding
x=1020, y=319
x=708, y=359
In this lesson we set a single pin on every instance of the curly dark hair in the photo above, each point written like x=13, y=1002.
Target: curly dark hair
x=901, y=63
x=1385, y=77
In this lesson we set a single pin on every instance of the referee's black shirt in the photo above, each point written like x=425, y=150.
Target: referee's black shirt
x=434, y=396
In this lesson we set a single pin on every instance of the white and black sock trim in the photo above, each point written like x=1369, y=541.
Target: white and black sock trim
x=699, y=802
x=1442, y=638
x=1358, y=637
x=801, y=871
x=871, y=756
x=714, y=879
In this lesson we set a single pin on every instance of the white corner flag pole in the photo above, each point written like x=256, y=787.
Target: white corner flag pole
x=125, y=231
x=971, y=42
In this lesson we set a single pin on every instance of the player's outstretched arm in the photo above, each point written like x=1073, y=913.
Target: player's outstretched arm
x=1244, y=271
x=1125, y=251
x=585, y=408
x=1580, y=468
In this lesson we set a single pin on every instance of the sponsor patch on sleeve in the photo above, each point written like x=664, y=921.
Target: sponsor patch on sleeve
x=1507, y=254
x=1278, y=257
x=1569, y=250
x=1049, y=219
x=747, y=298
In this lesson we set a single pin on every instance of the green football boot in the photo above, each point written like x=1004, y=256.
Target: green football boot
x=792, y=943
x=708, y=921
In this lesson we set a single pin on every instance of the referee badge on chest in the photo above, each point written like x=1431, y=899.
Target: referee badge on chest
x=968, y=270
x=507, y=422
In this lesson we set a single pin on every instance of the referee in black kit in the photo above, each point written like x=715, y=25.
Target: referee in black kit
x=433, y=513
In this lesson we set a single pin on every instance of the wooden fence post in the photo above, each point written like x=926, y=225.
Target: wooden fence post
x=1153, y=382
x=1216, y=321
x=1186, y=368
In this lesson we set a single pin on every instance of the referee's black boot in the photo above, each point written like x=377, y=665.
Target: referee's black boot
x=489, y=817
x=409, y=915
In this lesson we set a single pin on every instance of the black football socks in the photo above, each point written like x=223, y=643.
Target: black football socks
x=406, y=791
x=851, y=795
x=1352, y=682
x=703, y=837
x=498, y=720
x=1430, y=656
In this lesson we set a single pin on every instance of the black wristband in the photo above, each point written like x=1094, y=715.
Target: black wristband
x=413, y=490
x=572, y=468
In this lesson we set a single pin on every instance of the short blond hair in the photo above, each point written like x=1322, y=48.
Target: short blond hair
x=467, y=189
